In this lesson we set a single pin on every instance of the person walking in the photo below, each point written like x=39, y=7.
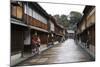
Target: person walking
x=35, y=44
x=38, y=45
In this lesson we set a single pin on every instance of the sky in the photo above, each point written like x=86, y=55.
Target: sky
x=60, y=9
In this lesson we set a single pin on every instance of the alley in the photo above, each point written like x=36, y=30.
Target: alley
x=66, y=52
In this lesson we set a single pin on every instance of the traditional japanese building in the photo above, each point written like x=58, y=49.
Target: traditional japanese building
x=18, y=27
x=70, y=34
x=51, y=29
x=86, y=29
x=59, y=32
x=37, y=19
x=27, y=19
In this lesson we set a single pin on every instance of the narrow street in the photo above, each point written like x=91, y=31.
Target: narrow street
x=51, y=31
x=63, y=53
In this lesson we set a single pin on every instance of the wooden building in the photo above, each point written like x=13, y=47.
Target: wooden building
x=57, y=31
x=86, y=29
x=70, y=34
x=27, y=19
x=51, y=29
x=37, y=20
x=18, y=27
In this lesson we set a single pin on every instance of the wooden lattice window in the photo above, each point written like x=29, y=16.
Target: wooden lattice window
x=17, y=10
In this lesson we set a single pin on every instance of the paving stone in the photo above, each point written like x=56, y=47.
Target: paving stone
x=34, y=60
x=42, y=60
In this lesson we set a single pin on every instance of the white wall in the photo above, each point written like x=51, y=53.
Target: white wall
x=15, y=58
x=27, y=40
x=51, y=26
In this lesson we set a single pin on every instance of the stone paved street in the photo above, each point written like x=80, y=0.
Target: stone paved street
x=63, y=53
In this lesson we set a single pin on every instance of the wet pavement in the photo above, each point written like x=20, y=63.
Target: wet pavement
x=62, y=53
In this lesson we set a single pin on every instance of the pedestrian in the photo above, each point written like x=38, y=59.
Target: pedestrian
x=38, y=45
x=87, y=45
x=34, y=42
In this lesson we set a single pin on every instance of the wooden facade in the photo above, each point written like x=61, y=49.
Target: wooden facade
x=35, y=22
x=33, y=19
x=17, y=38
x=86, y=29
x=17, y=10
x=17, y=31
x=37, y=17
x=34, y=16
x=57, y=31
